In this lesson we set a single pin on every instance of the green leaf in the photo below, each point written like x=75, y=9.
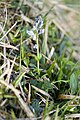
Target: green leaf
x=9, y=96
x=37, y=58
x=73, y=83
x=47, y=85
x=36, y=83
x=13, y=39
x=70, y=63
x=22, y=52
x=26, y=61
x=18, y=79
x=36, y=106
x=45, y=112
x=51, y=68
x=13, y=114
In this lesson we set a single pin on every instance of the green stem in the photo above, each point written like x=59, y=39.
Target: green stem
x=20, y=53
x=37, y=54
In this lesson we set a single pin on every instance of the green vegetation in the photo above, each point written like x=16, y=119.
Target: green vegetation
x=39, y=59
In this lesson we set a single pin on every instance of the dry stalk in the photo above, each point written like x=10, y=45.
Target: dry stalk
x=41, y=91
x=8, y=31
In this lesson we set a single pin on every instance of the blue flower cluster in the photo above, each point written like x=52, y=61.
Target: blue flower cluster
x=37, y=28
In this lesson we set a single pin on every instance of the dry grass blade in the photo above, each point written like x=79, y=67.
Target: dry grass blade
x=72, y=116
x=25, y=107
x=9, y=59
x=7, y=46
x=44, y=46
x=65, y=17
x=2, y=66
x=6, y=70
x=16, y=92
x=76, y=55
x=29, y=94
x=10, y=70
x=3, y=102
x=62, y=96
x=23, y=104
x=26, y=19
x=8, y=31
x=42, y=98
x=41, y=91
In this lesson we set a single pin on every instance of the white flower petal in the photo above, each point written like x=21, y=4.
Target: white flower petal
x=34, y=37
x=40, y=24
x=35, y=46
x=30, y=32
x=51, y=53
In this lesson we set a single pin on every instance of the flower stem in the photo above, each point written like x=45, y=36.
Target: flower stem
x=20, y=53
x=37, y=54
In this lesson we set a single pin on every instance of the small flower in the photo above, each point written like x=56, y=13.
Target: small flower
x=31, y=33
x=41, y=31
x=38, y=22
x=41, y=24
x=37, y=28
x=35, y=46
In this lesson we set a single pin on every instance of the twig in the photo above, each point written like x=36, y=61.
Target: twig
x=7, y=46
x=6, y=71
x=10, y=70
x=63, y=96
x=8, y=31
x=73, y=116
x=23, y=104
x=29, y=93
x=26, y=19
x=41, y=91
